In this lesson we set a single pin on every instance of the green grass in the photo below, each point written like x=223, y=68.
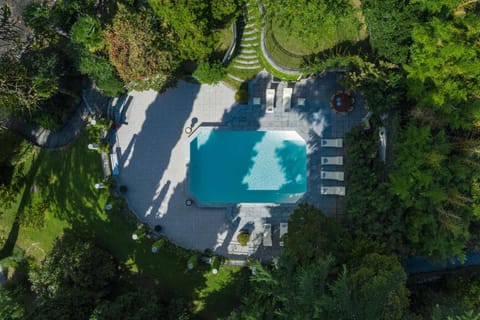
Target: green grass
x=275, y=72
x=291, y=51
x=65, y=180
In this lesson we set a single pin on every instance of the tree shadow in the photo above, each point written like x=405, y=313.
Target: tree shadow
x=9, y=245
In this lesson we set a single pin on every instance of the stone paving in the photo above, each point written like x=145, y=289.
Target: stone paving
x=152, y=148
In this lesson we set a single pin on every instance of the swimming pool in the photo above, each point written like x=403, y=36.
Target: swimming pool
x=247, y=167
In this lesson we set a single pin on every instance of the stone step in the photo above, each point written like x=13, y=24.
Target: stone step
x=249, y=26
x=246, y=67
x=250, y=31
x=250, y=38
x=251, y=44
x=247, y=51
x=242, y=61
x=235, y=78
x=247, y=56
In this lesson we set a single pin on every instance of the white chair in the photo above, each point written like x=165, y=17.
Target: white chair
x=332, y=175
x=301, y=102
x=283, y=231
x=270, y=98
x=333, y=191
x=338, y=161
x=333, y=143
x=287, y=99
x=267, y=235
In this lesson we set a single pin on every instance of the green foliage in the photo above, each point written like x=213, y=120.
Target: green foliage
x=224, y=10
x=189, y=19
x=241, y=96
x=140, y=48
x=389, y=25
x=88, y=32
x=10, y=306
x=243, y=238
x=311, y=235
x=211, y=73
x=444, y=69
x=140, y=304
x=292, y=15
x=74, y=264
x=369, y=208
x=72, y=304
x=100, y=71
x=431, y=183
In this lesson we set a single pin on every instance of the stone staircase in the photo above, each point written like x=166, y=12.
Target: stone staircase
x=246, y=63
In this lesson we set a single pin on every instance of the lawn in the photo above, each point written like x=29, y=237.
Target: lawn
x=291, y=51
x=59, y=192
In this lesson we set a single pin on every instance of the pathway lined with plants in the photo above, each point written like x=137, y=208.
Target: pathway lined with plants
x=246, y=63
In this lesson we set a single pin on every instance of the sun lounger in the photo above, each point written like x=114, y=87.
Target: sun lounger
x=114, y=163
x=334, y=143
x=267, y=235
x=283, y=231
x=270, y=98
x=333, y=191
x=332, y=161
x=301, y=102
x=332, y=175
x=287, y=99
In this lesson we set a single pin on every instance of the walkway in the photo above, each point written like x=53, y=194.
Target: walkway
x=246, y=63
x=50, y=140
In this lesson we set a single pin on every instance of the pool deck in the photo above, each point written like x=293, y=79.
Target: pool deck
x=152, y=148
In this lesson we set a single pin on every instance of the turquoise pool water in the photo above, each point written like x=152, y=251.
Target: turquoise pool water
x=247, y=167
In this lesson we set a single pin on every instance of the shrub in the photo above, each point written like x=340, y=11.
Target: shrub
x=243, y=238
x=88, y=31
x=211, y=73
x=241, y=96
x=216, y=262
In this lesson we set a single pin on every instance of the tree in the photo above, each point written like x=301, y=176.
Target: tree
x=140, y=48
x=430, y=183
x=211, y=73
x=74, y=264
x=10, y=308
x=189, y=19
x=389, y=27
x=140, y=304
x=88, y=32
x=72, y=304
x=444, y=69
x=99, y=70
x=311, y=235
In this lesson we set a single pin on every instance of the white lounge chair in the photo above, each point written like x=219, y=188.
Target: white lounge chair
x=114, y=163
x=332, y=161
x=333, y=191
x=332, y=175
x=267, y=235
x=287, y=99
x=283, y=231
x=334, y=143
x=301, y=102
x=270, y=98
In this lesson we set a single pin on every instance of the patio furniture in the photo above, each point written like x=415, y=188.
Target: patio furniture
x=283, y=231
x=287, y=99
x=114, y=163
x=301, y=102
x=341, y=102
x=332, y=160
x=332, y=175
x=270, y=98
x=333, y=191
x=334, y=143
x=267, y=235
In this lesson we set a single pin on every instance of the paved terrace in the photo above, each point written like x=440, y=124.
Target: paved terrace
x=152, y=149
